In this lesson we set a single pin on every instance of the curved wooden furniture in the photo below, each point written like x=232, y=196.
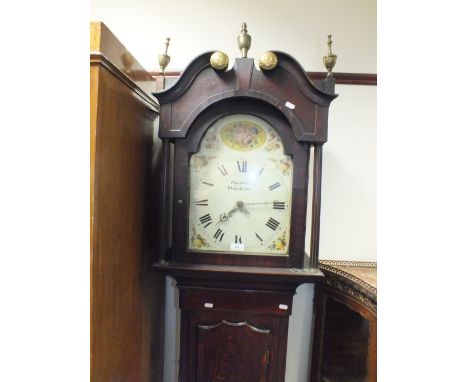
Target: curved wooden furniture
x=345, y=324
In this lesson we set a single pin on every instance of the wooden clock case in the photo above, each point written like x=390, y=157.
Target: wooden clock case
x=235, y=308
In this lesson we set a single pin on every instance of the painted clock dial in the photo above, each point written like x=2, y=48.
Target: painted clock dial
x=240, y=189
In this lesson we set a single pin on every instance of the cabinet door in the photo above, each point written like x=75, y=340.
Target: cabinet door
x=232, y=347
x=232, y=352
x=233, y=335
x=344, y=345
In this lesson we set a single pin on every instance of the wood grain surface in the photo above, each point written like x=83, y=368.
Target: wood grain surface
x=124, y=300
x=345, y=334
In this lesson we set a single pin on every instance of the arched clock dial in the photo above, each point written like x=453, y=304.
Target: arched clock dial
x=240, y=189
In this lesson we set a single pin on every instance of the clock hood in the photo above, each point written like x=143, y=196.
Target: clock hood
x=285, y=88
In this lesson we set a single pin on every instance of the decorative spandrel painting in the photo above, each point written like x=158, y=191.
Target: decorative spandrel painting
x=240, y=189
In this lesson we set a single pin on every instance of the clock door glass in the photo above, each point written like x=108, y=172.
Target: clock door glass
x=240, y=189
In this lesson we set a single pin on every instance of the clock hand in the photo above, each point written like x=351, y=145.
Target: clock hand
x=223, y=218
x=241, y=207
x=244, y=211
x=252, y=204
x=230, y=213
x=277, y=205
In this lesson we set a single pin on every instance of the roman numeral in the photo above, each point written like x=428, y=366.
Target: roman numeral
x=242, y=166
x=222, y=170
x=219, y=234
x=238, y=240
x=272, y=223
x=259, y=238
x=208, y=184
x=206, y=219
x=279, y=205
x=260, y=172
x=202, y=202
x=273, y=186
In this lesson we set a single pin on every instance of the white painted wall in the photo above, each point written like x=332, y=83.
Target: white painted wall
x=172, y=321
x=348, y=216
x=300, y=28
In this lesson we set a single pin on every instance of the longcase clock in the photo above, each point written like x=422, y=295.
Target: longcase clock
x=236, y=147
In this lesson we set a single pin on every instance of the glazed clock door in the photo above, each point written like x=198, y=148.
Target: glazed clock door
x=239, y=198
x=240, y=189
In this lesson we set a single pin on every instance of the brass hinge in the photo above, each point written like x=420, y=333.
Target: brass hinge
x=268, y=357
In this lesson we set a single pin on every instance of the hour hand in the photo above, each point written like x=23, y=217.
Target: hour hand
x=223, y=218
x=230, y=213
x=241, y=207
x=244, y=211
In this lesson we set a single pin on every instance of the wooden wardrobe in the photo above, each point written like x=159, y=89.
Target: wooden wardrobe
x=126, y=303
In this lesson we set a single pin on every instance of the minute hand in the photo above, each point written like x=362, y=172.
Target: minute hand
x=276, y=204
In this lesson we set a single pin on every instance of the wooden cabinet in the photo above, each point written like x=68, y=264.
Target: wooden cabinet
x=345, y=334
x=234, y=323
x=233, y=335
x=124, y=300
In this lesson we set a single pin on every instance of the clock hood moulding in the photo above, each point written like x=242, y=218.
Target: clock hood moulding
x=303, y=104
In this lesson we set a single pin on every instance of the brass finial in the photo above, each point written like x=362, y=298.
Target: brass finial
x=219, y=60
x=268, y=61
x=164, y=61
x=330, y=60
x=244, y=40
x=164, y=58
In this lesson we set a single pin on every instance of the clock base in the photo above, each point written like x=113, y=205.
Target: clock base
x=234, y=320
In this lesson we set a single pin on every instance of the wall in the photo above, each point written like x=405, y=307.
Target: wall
x=300, y=28
x=348, y=216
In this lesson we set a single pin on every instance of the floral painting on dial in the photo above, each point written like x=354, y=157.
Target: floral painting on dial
x=243, y=135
